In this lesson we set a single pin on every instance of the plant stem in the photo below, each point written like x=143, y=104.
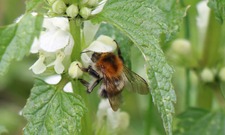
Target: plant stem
x=75, y=29
x=149, y=114
x=212, y=42
x=205, y=96
x=188, y=79
x=209, y=59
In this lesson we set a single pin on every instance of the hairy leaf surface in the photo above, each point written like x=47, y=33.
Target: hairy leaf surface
x=51, y=111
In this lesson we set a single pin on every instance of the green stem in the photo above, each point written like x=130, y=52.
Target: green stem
x=188, y=87
x=188, y=79
x=212, y=42
x=205, y=96
x=75, y=29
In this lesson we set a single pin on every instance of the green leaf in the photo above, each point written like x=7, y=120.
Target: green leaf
x=51, y=111
x=219, y=9
x=32, y=4
x=144, y=23
x=16, y=40
x=201, y=122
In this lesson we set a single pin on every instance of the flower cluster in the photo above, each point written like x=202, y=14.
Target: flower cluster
x=83, y=8
x=54, y=45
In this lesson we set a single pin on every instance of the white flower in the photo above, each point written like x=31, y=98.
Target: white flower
x=58, y=65
x=99, y=8
x=116, y=121
x=55, y=43
x=202, y=18
x=102, y=44
x=54, y=79
x=39, y=67
x=68, y=88
x=89, y=31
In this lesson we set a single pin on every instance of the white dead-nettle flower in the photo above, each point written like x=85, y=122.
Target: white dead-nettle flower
x=101, y=44
x=203, y=17
x=99, y=7
x=54, y=44
x=116, y=121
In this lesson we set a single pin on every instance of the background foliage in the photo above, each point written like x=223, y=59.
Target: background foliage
x=199, y=104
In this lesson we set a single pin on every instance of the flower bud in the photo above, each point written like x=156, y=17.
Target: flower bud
x=207, y=75
x=50, y=2
x=59, y=7
x=222, y=74
x=74, y=70
x=181, y=46
x=72, y=11
x=85, y=12
x=92, y=3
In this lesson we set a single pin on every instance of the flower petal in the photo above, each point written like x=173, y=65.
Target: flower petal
x=90, y=31
x=35, y=46
x=53, y=41
x=54, y=79
x=68, y=87
x=69, y=48
x=39, y=67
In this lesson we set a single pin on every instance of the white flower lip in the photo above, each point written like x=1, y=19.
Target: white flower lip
x=39, y=67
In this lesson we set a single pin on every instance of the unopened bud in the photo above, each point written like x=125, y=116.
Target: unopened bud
x=50, y=2
x=207, y=75
x=181, y=46
x=74, y=69
x=72, y=11
x=85, y=12
x=92, y=3
x=59, y=7
x=222, y=74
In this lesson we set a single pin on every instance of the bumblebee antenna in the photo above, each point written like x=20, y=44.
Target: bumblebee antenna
x=118, y=50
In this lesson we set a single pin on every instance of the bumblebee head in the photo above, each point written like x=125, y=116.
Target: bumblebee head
x=95, y=56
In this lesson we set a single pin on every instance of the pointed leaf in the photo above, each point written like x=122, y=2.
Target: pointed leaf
x=32, y=4
x=144, y=22
x=16, y=40
x=51, y=111
x=219, y=9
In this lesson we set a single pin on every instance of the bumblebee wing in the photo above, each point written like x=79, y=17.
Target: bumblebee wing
x=115, y=101
x=135, y=82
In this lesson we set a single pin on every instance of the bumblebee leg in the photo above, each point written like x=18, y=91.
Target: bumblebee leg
x=85, y=83
x=94, y=84
x=90, y=71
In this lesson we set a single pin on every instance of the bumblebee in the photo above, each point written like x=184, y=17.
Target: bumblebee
x=109, y=70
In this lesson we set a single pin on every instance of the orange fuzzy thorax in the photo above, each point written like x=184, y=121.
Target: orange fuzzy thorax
x=110, y=65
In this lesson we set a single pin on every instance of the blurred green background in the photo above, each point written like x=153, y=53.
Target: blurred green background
x=16, y=85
